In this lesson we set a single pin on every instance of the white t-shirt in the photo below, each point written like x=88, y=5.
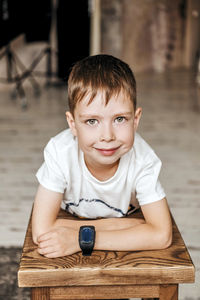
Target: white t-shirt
x=134, y=184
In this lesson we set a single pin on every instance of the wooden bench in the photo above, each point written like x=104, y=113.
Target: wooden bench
x=106, y=274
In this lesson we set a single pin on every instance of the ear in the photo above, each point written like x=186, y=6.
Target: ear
x=71, y=122
x=137, y=117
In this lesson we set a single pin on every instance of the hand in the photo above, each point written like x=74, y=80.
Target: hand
x=58, y=242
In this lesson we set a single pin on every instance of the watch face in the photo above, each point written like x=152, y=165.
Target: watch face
x=87, y=235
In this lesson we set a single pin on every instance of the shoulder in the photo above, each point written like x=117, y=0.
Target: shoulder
x=147, y=169
x=62, y=142
x=143, y=151
x=64, y=137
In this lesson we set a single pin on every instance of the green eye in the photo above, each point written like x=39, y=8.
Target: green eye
x=119, y=119
x=91, y=122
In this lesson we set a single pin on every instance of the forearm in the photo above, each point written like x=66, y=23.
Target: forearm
x=126, y=235
x=123, y=234
x=115, y=234
x=110, y=224
x=140, y=237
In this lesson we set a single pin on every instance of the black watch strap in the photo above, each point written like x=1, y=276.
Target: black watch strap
x=87, y=251
x=87, y=239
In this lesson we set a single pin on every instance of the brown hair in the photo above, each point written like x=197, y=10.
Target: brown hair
x=100, y=73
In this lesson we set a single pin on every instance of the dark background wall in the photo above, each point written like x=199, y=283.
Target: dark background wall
x=148, y=34
x=151, y=35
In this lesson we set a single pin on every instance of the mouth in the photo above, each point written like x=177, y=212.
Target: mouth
x=107, y=152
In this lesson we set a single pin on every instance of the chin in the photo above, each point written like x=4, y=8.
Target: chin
x=109, y=160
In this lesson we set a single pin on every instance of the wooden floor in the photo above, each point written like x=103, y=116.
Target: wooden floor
x=170, y=123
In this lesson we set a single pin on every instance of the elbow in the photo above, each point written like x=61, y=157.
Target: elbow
x=166, y=243
x=165, y=239
x=35, y=238
x=35, y=233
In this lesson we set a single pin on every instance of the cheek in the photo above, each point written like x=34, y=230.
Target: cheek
x=85, y=139
x=129, y=140
x=127, y=135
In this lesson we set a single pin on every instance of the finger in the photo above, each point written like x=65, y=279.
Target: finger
x=44, y=237
x=53, y=255
x=46, y=251
x=50, y=253
x=45, y=244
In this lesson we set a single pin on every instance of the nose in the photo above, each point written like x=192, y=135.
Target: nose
x=107, y=133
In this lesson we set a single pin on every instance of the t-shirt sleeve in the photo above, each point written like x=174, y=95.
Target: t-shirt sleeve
x=148, y=187
x=50, y=174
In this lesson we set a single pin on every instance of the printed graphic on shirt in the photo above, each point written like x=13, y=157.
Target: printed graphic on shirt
x=96, y=208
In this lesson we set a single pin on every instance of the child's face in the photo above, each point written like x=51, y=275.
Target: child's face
x=104, y=132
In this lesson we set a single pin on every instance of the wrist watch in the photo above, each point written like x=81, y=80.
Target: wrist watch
x=87, y=239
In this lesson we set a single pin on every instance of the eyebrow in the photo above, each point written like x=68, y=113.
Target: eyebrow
x=93, y=116
x=87, y=116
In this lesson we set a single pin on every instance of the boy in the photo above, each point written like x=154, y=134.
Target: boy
x=101, y=169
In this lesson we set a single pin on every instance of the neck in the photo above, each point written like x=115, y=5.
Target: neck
x=102, y=173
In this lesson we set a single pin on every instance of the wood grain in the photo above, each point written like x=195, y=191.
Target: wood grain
x=42, y=293
x=169, y=292
x=104, y=292
x=169, y=266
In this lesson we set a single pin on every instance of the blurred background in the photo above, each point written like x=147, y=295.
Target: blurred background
x=39, y=42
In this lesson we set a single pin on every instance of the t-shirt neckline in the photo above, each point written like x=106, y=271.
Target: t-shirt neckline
x=119, y=171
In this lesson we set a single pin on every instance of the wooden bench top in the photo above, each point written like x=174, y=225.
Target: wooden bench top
x=169, y=266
